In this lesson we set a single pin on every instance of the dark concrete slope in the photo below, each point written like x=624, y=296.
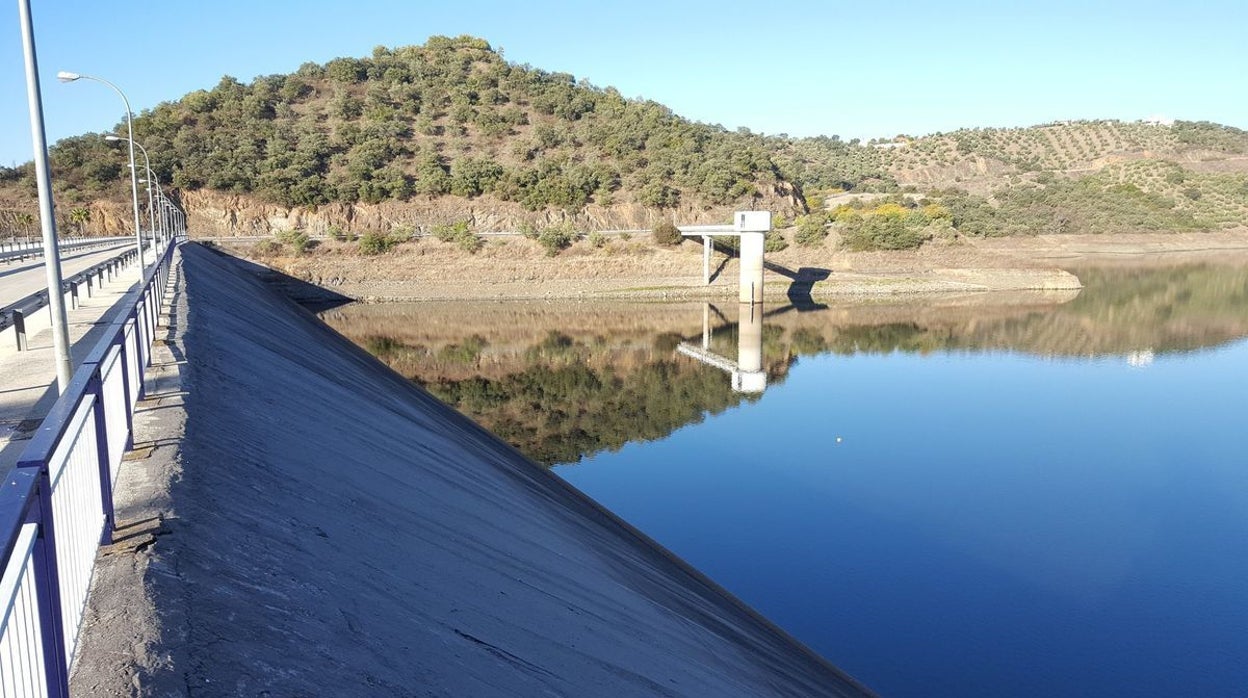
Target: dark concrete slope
x=339, y=532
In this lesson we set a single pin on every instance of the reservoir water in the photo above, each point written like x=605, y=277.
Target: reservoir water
x=984, y=495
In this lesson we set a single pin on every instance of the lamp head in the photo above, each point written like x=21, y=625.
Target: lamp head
x=111, y=137
x=66, y=76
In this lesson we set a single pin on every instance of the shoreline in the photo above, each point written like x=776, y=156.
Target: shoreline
x=517, y=269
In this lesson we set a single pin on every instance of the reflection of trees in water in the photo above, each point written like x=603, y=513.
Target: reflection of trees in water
x=561, y=397
x=563, y=403
x=1120, y=311
x=559, y=414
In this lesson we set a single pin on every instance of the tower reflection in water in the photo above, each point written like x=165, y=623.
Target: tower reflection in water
x=746, y=371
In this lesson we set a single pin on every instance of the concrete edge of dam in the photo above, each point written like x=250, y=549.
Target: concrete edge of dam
x=308, y=522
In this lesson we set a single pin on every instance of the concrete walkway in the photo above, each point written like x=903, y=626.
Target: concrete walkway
x=119, y=628
x=303, y=522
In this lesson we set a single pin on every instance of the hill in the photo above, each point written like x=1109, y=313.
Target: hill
x=1070, y=177
x=448, y=132
x=447, y=120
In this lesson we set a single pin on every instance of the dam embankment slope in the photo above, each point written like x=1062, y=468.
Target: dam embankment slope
x=334, y=530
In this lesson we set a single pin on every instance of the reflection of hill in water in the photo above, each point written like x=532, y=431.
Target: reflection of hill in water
x=560, y=380
x=1119, y=312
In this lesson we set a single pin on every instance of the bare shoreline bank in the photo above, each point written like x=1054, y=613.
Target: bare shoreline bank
x=517, y=269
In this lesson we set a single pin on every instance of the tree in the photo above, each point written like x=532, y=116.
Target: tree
x=80, y=216
x=666, y=233
x=811, y=230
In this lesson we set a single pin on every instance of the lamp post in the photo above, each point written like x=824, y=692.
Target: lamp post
x=165, y=222
x=161, y=224
x=147, y=163
x=66, y=76
x=177, y=218
x=153, y=221
x=51, y=253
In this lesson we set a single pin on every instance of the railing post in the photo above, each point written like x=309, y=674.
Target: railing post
x=19, y=329
x=95, y=387
x=48, y=591
x=150, y=304
x=140, y=351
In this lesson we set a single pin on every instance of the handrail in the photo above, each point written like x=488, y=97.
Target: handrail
x=35, y=250
x=61, y=493
x=14, y=313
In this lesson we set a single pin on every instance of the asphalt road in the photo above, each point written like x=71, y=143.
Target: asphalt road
x=20, y=279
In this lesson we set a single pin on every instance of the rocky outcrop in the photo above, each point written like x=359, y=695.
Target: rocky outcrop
x=218, y=214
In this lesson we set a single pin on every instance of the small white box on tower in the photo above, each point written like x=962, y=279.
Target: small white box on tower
x=753, y=221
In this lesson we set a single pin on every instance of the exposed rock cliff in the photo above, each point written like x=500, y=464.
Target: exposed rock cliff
x=213, y=213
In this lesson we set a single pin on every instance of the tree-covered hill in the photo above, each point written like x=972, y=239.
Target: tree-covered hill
x=988, y=157
x=451, y=126
x=449, y=118
x=1071, y=177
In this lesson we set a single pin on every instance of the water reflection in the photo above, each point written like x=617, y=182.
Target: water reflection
x=746, y=372
x=565, y=379
x=993, y=523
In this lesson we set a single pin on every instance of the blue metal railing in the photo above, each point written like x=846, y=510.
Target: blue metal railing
x=56, y=505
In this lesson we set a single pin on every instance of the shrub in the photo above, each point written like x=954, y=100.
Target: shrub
x=469, y=241
x=265, y=248
x=460, y=233
x=467, y=353
x=339, y=234
x=597, y=240
x=557, y=238
x=774, y=241
x=882, y=232
x=666, y=233
x=374, y=242
x=446, y=232
x=297, y=240
x=811, y=230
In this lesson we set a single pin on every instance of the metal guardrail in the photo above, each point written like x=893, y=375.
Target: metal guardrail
x=14, y=315
x=56, y=505
x=21, y=250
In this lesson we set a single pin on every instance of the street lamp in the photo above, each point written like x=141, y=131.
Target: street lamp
x=152, y=224
x=52, y=255
x=66, y=76
x=151, y=178
x=158, y=224
x=169, y=212
x=147, y=163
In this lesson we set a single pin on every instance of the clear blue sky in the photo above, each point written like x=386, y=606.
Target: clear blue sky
x=802, y=67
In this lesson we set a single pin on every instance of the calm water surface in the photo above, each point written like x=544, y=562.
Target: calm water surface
x=1022, y=495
